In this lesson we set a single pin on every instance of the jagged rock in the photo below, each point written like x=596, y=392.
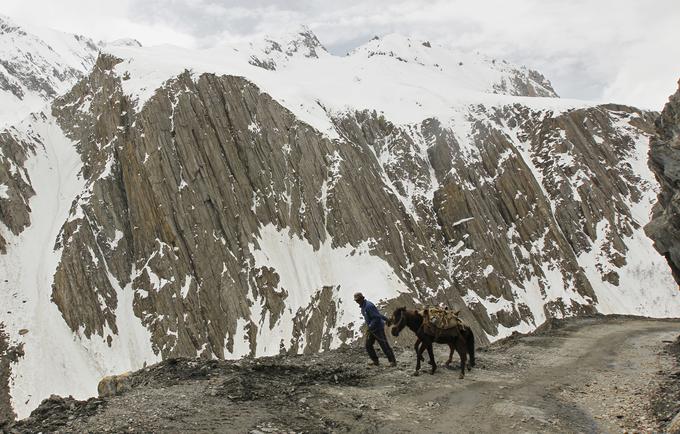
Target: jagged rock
x=664, y=160
x=15, y=190
x=8, y=354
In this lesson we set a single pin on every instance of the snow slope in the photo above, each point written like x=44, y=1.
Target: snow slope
x=304, y=269
x=315, y=88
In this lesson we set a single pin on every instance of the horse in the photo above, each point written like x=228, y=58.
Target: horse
x=412, y=319
x=469, y=336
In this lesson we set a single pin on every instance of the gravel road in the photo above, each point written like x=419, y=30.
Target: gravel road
x=602, y=374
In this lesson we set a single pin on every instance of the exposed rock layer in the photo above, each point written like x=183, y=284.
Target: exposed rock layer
x=8, y=355
x=664, y=160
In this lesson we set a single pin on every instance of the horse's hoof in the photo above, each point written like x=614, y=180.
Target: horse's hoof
x=461, y=376
x=415, y=374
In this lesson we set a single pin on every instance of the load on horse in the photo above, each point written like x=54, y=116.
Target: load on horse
x=438, y=325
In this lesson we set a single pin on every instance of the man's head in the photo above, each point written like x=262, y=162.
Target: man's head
x=359, y=298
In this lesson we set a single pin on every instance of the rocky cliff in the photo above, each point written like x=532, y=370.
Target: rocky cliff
x=664, y=160
x=178, y=203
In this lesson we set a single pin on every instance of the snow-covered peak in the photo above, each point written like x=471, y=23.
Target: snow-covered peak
x=469, y=69
x=8, y=26
x=404, y=79
x=70, y=50
x=276, y=50
x=123, y=42
x=422, y=52
x=36, y=64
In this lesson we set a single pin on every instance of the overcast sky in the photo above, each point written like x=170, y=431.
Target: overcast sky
x=624, y=51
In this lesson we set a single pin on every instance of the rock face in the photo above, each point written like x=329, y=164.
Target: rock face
x=664, y=160
x=15, y=189
x=191, y=212
x=8, y=354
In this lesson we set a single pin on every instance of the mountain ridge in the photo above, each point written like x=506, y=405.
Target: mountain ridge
x=37, y=65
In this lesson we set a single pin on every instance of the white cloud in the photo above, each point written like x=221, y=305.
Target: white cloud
x=621, y=51
x=101, y=20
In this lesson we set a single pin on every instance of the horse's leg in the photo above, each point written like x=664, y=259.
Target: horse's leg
x=431, y=354
x=422, y=359
x=470, y=340
x=462, y=352
x=416, y=346
x=419, y=357
x=451, y=350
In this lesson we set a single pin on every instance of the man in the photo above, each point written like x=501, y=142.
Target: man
x=376, y=330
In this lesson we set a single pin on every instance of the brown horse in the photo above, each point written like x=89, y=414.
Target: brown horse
x=412, y=319
x=469, y=336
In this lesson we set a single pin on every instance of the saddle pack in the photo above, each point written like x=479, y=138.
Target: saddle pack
x=439, y=321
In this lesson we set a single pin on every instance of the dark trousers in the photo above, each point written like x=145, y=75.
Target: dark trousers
x=378, y=335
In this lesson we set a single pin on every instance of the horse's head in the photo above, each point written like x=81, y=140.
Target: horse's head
x=397, y=321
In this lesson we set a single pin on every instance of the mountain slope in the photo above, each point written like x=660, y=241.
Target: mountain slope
x=36, y=65
x=203, y=203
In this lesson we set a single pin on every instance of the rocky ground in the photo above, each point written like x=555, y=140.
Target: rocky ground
x=601, y=374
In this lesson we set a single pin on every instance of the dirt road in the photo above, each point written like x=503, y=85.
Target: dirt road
x=586, y=375
x=590, y=376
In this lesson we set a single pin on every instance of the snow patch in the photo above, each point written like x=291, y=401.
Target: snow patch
x=118, y=235
x=304, y=271
x=461, y=221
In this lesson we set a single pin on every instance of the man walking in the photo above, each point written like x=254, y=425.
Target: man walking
x=375, y=322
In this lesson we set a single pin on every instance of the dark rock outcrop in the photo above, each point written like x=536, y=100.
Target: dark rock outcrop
x=664, y=160
x=8, y=355
x=14, y=181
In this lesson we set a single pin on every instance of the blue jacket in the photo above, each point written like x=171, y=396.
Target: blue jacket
x=374, y=320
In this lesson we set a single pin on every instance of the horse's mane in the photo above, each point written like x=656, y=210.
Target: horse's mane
x=412, y=313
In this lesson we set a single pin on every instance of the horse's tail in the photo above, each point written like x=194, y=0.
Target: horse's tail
x=470, y=342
